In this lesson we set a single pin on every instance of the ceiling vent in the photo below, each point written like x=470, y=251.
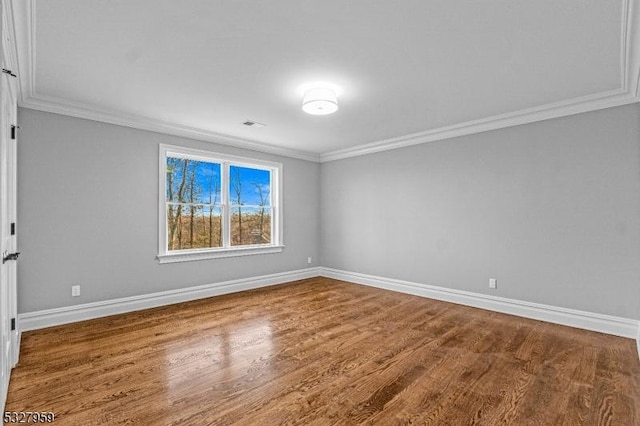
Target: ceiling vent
x=254, y=124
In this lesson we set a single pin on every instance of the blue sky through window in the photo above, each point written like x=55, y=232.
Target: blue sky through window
x=253, y=184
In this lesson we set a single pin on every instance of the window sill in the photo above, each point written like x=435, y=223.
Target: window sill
x=191, y=255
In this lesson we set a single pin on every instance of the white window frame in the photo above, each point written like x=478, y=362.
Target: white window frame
x=225, y=161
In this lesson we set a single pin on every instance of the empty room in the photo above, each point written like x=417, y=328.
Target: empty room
x=221, y=212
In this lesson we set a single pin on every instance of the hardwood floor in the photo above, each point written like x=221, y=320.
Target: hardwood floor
x=322, y=352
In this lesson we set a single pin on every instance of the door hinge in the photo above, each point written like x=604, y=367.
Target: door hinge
x=6, y=71
x=10, y=256
x=13, y=131
x=13, y=324
x=13, y=228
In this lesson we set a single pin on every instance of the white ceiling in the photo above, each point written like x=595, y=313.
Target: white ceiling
x=410, y=71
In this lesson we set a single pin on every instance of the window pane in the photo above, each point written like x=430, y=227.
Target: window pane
x=193, y=227
x=250, y=225
x=192, y=181
x=249, y=187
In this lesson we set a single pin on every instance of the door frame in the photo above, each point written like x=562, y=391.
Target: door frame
x=8, y=180
x=12, y=180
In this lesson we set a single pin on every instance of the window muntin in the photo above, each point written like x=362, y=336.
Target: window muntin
x=250, y=203
x=217, y=206
x=194, y=205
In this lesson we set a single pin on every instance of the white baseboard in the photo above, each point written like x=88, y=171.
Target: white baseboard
x=617, y=326
x=69, y=314
x=608, y=324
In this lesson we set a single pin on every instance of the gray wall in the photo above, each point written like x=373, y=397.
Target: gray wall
x=550, y=209
x=87, y=214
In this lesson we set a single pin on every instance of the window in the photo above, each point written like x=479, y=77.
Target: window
x=214, y=205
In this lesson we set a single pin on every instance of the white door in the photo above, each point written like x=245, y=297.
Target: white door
x=8, y=155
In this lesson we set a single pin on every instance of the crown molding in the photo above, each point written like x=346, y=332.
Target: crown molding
x=24, y=13
x=628, y=93
x=66, y=107
x=24, y=17
x=630, y=57
x=594, y=102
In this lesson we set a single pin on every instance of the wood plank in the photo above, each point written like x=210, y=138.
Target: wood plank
x=321, y=351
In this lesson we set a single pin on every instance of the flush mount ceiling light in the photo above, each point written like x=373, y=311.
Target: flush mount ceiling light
x=320, y=100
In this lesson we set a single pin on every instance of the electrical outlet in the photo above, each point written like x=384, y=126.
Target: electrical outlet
x=309, y=260
x=75, y=290
x=493, y=283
